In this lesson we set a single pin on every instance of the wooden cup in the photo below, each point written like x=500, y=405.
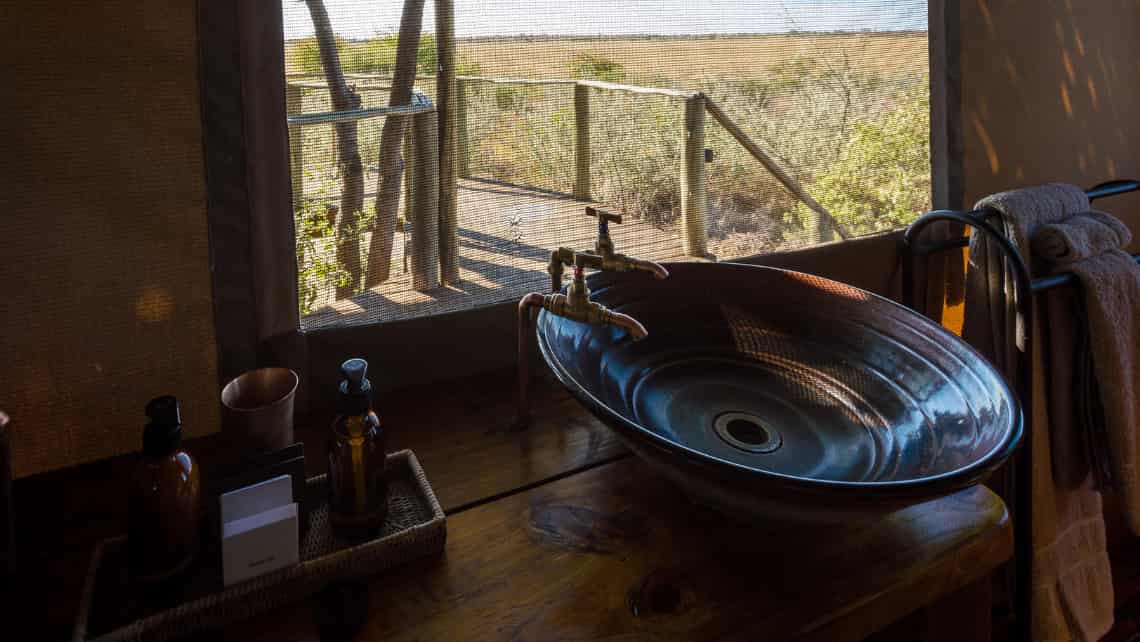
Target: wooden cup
x=258, y=409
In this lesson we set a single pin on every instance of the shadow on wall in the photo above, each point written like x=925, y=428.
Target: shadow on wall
x=1050, y=92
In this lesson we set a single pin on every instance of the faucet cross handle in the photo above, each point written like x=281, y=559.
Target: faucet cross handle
x=604, y=245
x=603, y=216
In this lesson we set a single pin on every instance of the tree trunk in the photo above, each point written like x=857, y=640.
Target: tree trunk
x=347, y=151
x=391, y=137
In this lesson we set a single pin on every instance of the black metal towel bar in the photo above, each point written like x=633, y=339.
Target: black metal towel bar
x=1111, y=188
x=1024, y=288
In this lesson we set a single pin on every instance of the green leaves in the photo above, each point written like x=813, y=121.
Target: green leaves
x=374, y=55
x=594, y=66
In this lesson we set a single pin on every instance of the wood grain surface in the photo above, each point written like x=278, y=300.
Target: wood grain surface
x=618, y=553
x=460, y=431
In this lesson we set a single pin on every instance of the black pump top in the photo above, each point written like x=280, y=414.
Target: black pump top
x=163, y=434
x=355, y=390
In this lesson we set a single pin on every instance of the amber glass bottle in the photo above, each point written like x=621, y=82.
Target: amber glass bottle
x=358, y=490
x=164, y=498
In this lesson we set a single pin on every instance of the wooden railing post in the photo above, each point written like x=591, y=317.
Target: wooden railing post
x=408, y=162
x=694, y=191
x=425, y=216
x=445, y=89
x=462, y=142
x=582, y=142
x=293, y=98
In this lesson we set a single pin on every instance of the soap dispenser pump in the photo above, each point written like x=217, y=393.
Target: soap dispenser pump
x=358, y=489
x=164, y=498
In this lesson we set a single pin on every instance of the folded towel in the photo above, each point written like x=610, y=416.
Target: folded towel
x=1072, y=586
x=1110, y=283
x=989, y=317
x=1080, y=446
x=1080, y=237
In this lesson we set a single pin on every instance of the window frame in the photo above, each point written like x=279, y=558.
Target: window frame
x=253, y=252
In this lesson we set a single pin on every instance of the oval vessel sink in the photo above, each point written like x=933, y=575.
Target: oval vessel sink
x=778, y=395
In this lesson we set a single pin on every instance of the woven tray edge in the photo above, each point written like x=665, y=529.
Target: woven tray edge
x=435, y=527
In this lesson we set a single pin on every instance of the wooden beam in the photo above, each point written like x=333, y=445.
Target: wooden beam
x=694, y=191
x=582, y=142
x=633, y=89
x=463, y=139
x=409, y=162
x=425, y=212
x=445, y=99
x=826, y=222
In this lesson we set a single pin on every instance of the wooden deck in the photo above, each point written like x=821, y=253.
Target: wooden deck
x=506, y=234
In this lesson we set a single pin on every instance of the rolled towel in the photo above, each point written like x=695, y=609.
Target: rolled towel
x=1080, y=236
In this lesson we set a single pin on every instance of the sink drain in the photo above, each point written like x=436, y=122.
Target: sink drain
x=746, y=432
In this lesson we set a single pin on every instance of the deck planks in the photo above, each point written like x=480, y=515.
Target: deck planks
x=506, y=234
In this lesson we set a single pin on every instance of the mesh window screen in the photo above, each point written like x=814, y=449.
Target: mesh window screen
x=561, y=105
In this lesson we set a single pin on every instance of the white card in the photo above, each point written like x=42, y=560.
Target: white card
x=257, y=498
x=259, y=544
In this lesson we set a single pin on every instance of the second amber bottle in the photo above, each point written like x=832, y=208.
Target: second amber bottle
x=358, y=489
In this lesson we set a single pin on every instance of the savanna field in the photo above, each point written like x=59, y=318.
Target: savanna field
x=846, y=114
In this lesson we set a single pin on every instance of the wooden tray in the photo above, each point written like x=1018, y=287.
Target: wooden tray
x=114, y=609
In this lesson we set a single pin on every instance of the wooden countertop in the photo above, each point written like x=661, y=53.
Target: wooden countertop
x=617, y=552
x=556, y=532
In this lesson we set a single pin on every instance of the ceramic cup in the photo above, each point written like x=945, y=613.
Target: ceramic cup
x=258, y=409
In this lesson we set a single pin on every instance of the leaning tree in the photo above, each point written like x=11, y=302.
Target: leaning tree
x=391, y=160
x=343, y=98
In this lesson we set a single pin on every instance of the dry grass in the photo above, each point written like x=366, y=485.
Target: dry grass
x=827, y=106
x=681, y=59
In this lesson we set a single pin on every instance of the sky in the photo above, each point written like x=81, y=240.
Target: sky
x=365, y=18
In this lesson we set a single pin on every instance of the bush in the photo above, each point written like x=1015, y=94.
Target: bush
x=375, y=55
x=507, y=98
x=881, y=179
x=592, y=66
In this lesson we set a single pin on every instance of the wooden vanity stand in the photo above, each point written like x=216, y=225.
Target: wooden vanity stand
x=557, y=532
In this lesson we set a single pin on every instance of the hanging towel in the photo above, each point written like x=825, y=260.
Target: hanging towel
x=1089, y=245
x=1072, y=585
x=1081, y=236
x=1079, y=446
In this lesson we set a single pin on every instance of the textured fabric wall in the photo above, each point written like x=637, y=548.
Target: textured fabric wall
x=104, y=271
x=1051, y=92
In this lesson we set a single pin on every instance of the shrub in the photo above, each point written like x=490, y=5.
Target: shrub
x=593, y=66
x=881, y=179
x=507, y=98
x=374, y=55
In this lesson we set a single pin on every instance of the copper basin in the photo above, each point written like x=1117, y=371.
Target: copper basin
x=778, y=395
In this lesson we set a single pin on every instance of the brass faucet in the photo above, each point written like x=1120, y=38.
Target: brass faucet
x=603, y=258
x=576, y=304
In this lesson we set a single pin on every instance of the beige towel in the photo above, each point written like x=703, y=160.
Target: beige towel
x=1089, y=246
x=1082, y=443
x=1079, y=237
x=1072, y=585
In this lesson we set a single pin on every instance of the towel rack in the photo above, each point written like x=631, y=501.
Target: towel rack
x=1024, y=288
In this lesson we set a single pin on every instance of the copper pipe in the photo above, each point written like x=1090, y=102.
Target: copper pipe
x=656, y=269
x=522, y=413
x=630, y=324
